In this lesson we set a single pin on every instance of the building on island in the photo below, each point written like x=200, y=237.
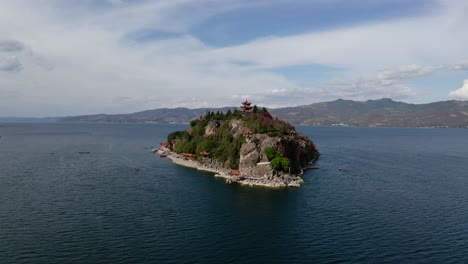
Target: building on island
x=248, y=135
x=246, y=108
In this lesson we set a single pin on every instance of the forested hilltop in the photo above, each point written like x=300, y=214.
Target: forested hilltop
x=249, y=145
x=222, y=134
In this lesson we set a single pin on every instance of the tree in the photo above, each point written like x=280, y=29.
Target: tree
x=175, y=135
x=278, y=162
x=271, y=153
x=281, y=163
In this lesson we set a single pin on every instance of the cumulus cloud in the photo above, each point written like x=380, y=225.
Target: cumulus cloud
x=461, y=93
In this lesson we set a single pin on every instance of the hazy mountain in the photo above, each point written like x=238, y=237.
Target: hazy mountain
x=162, y=115
x=382, y=112
x=29, y=119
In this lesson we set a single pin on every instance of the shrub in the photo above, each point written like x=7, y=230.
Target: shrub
x=281, y=163
x=271, y=153
x=285, y=164
x=278, y=162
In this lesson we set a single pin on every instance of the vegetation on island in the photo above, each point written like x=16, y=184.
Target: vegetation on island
x=223, y=145
x=278, y=162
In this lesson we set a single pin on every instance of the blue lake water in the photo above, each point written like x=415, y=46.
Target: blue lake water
x=401, y=197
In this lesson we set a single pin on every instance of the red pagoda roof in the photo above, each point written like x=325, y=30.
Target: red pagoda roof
x=246, y=102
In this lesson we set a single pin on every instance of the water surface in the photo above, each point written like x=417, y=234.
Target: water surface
x=400, y=197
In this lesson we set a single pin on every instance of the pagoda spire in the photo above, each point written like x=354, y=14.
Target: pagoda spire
x=246, y=106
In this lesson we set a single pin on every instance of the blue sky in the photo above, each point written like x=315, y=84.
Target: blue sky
x=295, y=17
x=64, y=57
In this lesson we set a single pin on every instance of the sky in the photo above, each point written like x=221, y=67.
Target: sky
x=67, y=57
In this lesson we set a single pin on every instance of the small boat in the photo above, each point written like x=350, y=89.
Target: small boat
x=84, y=152
x=163, y=155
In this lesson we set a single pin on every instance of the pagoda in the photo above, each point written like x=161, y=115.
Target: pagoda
x=248, y=135
x=246, y=106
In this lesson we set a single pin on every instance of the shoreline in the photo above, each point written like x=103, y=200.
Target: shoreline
x=250, y=181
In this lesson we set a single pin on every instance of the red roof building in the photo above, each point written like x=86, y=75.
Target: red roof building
x=246, y=106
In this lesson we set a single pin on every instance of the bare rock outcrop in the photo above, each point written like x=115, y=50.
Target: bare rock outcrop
x=257, y=170
x=212, y=127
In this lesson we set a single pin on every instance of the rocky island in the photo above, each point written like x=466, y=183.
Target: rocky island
x=247, y=146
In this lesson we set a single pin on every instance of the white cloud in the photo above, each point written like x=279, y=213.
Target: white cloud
x=10, y=64
x=76, y=59
x=10, y=46
x=461, y=93
x=433, y=38
x=459, y=67
x=355, y=89
x=407, y=72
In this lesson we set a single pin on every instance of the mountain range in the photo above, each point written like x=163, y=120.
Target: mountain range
x=383, y=112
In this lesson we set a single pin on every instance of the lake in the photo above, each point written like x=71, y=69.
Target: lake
x=401, y=196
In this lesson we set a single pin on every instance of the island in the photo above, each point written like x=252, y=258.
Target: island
x=246, y=145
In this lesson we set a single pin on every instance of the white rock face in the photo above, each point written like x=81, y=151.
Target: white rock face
x=212, y=127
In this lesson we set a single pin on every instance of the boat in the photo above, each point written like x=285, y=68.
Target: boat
x=84, y=152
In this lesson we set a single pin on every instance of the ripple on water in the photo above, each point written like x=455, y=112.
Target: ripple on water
x=395, y=200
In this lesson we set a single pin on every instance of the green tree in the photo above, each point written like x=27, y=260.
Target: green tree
x=271, y=153
x=281, y=163
x=285, y=164
x=175, y=135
